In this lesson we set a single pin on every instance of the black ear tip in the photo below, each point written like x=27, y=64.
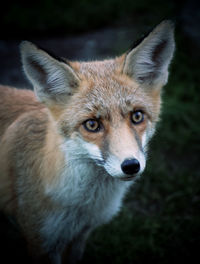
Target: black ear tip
x=168, y=23
x=173, y=21
x=26, y=45
x=138, y=41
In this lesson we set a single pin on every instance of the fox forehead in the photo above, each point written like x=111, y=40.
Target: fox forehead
x=105, y=93
x=106, y=90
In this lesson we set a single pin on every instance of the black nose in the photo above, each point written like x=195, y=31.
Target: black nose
x=130, y=166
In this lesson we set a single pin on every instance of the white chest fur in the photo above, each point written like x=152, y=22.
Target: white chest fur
x=89, y=198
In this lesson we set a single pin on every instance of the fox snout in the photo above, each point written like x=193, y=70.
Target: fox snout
x=129, y=168
x=120, y=152
x=125, y=156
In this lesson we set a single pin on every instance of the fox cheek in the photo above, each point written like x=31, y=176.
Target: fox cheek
x=91, y=150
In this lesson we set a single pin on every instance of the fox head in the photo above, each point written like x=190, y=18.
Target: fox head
x=105, y=111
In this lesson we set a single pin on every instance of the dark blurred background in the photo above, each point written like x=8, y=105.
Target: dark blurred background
x=160, y=220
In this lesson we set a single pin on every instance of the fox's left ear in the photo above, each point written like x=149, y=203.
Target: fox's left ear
x=148, y=62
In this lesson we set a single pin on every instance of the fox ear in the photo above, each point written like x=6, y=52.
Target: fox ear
x=52, y=79
x=148, y=62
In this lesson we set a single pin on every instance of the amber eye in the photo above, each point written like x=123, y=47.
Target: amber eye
x=92, y=125
x=137, y=117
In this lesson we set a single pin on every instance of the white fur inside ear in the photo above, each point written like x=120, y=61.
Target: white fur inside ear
x=149, y=61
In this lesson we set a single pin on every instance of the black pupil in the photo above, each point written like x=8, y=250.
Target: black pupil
x=137, y=116
x=92, y=124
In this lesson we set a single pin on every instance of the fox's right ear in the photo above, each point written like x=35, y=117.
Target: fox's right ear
x=52, y=79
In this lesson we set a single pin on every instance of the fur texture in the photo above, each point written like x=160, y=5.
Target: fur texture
x=62, y=169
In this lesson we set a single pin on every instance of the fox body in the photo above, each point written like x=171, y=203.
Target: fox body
x=70, y=151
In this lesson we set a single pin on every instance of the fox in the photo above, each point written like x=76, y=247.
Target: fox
x=71, y=149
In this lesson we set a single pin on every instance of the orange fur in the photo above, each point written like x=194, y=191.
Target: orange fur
x=58, y=179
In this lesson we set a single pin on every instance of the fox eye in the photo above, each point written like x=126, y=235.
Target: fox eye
x=92, y=125
x=137, y=117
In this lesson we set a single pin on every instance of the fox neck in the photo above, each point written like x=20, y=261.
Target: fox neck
x=53, y=158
